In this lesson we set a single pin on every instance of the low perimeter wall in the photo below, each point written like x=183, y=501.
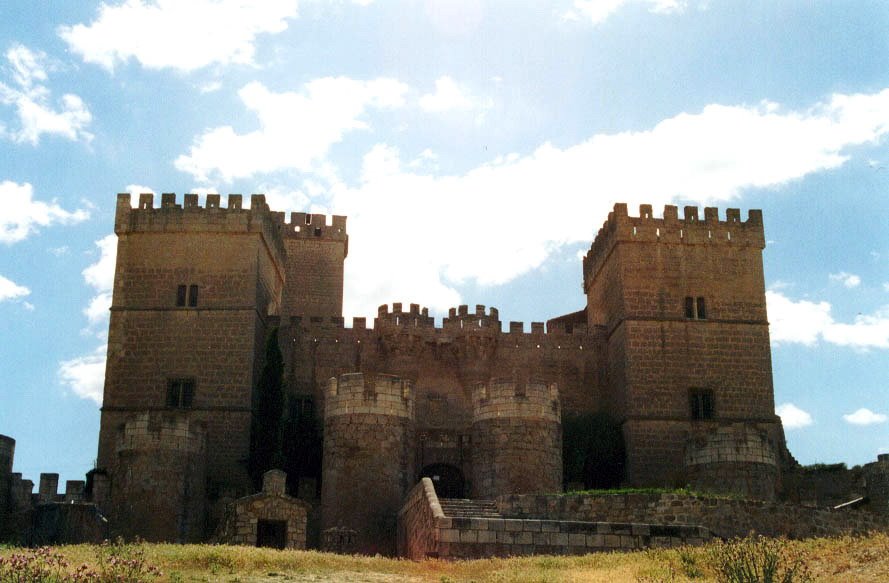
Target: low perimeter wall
x=725, y=518
x=424, y=531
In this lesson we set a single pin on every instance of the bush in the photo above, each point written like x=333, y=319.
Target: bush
x=117, y=562
x=757, y=559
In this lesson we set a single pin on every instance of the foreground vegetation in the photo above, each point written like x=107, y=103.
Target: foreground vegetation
x=754, y=559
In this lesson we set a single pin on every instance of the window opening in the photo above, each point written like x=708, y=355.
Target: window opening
x=180, y=393
x=180, y=296
x=701, y=403
x=695, y=308
x=192, y=296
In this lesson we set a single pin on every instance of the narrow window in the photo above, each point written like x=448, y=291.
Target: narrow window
x=180, y=296
x=192, y=296
x=689, y=307
x=701, y=403
x=702, y=309
x=180, y=393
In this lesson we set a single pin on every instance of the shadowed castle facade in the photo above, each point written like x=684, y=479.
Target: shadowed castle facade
x=672, y=344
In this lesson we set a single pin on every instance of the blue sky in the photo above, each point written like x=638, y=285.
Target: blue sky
x=476, y=148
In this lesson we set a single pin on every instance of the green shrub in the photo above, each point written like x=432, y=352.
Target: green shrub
x=757, y=559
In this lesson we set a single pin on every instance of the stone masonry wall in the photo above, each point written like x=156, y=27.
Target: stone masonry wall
x=368, y=455
x=726, y=518
x=424, y=531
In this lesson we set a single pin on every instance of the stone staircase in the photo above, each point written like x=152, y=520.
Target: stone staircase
x=464, y=508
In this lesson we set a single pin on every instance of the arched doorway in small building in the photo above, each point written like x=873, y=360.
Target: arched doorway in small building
x=447, y=479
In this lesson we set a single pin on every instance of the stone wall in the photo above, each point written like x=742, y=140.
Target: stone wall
x=418, y=519
x=424, y=531
x=726, y=518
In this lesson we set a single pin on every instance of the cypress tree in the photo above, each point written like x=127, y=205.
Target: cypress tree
x=266, y=451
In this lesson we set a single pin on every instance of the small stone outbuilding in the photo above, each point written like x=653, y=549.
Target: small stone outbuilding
x=269, y=518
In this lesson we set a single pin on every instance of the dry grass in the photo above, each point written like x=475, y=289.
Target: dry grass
x=835, y=559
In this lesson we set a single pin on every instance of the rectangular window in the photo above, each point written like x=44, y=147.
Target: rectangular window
x=180, y=393
x=701, y=402
x=695, y=308
x=180, y=296
x=192, y=296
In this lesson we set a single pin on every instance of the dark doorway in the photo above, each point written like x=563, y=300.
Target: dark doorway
x=271, y=533
x=447, y=479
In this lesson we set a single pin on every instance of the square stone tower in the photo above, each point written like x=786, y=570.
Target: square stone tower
x=689, y=363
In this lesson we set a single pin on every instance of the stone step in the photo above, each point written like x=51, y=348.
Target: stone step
x=465, y=508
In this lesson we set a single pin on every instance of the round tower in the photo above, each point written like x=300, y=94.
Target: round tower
x=7, y=452
x=158, y=483
x=736, y=458
x=368, y=457
x=516, y=438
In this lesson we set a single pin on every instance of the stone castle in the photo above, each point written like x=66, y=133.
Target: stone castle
x=671, y=346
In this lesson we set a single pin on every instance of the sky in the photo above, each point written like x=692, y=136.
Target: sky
x=476, y=147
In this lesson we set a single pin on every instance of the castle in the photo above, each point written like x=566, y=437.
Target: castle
x=671, y=346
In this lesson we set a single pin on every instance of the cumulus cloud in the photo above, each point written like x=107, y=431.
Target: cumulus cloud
x=864, y=416
x=792, y=417
x=597, y=11
x=296, y=129
x=22, y=215
x=100, y=277
x=30, y=97
x=849, y=280
x=10, y=290
x=85, y=375
x=489, y=224
x=185, y=35
x=451, y=96
x=806, y=322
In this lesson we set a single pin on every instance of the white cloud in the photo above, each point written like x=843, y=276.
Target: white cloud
x=31, y=100
x=597, y=11
x=806, y=322
x=180, y=34
x=9, y=290
x=864, y=417
x=490, y=224
x=100, y=277
x=451, y=96
x=22, y=215
x=296, y=129
x=85, y=375
x=886, y=286
x=792, y=417
x=849, y=280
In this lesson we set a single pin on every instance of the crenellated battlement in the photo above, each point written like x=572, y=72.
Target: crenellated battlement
x=670, y=229
x=190, y=217
x=369, y=394
x=311, y=226
x=516, y=397
x=415, y=317
x=162, y=430
x=460, y=320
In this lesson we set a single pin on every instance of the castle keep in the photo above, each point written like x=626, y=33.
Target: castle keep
x=672, y=346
